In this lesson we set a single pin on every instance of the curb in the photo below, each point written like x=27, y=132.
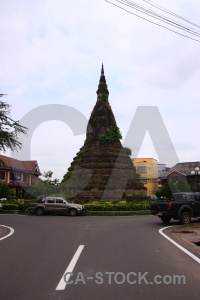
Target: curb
x=95, y=211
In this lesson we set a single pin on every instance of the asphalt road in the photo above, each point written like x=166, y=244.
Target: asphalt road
x=34, y=259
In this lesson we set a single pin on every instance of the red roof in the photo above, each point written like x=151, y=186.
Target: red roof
x=20, y=165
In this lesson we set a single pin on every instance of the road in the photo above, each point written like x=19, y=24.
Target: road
x=34, y=259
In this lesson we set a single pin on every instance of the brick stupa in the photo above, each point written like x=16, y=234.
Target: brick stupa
x=101, y=169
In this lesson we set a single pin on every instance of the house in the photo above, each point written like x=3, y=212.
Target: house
x=182, y=172
x=147, y=168
x=18, y=174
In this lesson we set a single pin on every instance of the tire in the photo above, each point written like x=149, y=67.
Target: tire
x=73, y=212
x=40, y=211
x=185, y=217
x=166, y=219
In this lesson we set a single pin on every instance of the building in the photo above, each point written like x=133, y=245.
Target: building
x=162, y=170
x=180, y=173
x=18, y=174
x=147, y=168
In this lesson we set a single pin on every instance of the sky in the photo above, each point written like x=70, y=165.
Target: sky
x=50, y=62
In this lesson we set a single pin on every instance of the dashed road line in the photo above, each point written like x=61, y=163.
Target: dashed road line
x=65, y=278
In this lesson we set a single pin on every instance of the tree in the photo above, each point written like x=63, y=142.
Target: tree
x=45, y=187
x=9, y=129
x=48, y=178
x=164, y=191
x=128, y=151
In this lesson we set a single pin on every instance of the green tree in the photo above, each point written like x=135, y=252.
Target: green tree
x=9, y=129
x=164, y=192
x=48, y=178
x=128, y=151
x=45, y=187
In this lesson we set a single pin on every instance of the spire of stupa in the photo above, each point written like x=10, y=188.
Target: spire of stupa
x=102, y=87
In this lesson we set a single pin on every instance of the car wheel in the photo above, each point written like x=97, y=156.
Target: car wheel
x=166, y=219
x=73, y=212
x=40, y=211
x=185, y=217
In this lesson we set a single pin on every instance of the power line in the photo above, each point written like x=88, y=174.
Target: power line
x=169, y=12
x=150, y=11
x=161, y=18
x=164, y=19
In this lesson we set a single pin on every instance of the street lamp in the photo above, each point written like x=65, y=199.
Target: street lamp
x=196, y=172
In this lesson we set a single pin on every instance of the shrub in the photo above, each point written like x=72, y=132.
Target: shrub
x=120, y=206
x=16, y=205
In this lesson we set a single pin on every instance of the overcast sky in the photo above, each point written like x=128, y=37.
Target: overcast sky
x=51, y=53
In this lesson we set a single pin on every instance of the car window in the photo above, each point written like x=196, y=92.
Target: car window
x=59, y=201
x=197, y=197
x=179, y=197
x=50, y=200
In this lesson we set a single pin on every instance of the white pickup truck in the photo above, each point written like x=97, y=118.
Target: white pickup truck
x=55, y=205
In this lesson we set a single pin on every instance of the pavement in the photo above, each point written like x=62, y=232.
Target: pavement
x=189, y=236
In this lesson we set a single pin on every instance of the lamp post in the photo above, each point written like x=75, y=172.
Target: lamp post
x=197, y=173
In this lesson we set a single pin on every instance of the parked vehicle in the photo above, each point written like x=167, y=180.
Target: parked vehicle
x=55, y=205
x=3, y=199
x=182, y=207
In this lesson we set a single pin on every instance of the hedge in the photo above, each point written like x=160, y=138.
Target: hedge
x=120, y=206
x=20, y=205
x=94, y=206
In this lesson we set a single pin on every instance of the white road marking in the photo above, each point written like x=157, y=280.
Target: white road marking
x=10, y=233
x=63, y=282
x=179, y=246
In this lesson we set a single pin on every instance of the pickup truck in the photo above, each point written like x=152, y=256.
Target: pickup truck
x=55, y=205
x=181, y=206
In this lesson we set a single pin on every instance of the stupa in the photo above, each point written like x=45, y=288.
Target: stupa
x=101, y=170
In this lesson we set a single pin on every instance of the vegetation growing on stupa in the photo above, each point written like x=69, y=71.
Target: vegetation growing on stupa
x=111, y=135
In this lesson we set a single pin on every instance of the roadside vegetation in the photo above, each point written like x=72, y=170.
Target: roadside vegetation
x=94, y=208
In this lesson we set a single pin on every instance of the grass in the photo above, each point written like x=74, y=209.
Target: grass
x=190, y=226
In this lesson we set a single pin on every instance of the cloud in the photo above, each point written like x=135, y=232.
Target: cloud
x=51, y=52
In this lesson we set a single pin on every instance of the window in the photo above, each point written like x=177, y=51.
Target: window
x=153, y=180
x=51, y=200
x=59, y=201
x=33, y=179
x=197, y=197
x=2, y=175
x=179, y=197
x=25, y=178
x=18, y=177
x=143, y=180
x=12, y=176
x=142, y=169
